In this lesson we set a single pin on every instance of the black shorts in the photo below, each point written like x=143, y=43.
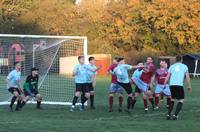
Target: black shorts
x=35, y=92
x=90, y=86
x=149, y=88
x=127, y=87
x=12, y=90
x=177, y=92
x=137, y=90
x=82, y=87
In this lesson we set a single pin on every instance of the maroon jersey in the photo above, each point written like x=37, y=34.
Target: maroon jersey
x=114, y=77
x=147, y=73
x=160, y=75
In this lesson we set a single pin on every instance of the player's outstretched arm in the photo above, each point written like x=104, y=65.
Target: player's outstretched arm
x=136, y=66
x=188, y=82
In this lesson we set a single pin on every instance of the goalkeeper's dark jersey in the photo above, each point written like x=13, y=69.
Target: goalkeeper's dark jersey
x=32, y=82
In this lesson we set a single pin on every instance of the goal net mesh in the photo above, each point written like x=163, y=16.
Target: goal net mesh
x=54, y=56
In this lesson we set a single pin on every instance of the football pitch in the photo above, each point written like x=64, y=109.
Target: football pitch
x=53, y=118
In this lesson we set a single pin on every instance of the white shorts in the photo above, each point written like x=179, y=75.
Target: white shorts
x=140, y=84
x=160, y=89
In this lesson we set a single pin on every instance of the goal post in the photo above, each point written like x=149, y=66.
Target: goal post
x=54, y=56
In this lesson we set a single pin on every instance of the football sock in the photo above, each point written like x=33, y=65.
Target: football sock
x=13, y=101
x=74, y=100
x=83, y=99
x=168, y=101
x=22, y=104
x=91, y=100
x=161, y=96
x=171, y=106
x=152, y=102
x=178, y=108
x=133, y=103
x=38, y=104
x=145, y=103
x=18, y=104
x=129, y=102
x=120, y=101
x=156, y=100
x=111, y=102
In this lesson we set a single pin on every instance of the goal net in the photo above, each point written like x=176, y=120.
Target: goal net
x=54, y=56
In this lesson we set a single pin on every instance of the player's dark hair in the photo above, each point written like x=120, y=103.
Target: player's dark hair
x=34, y=69
x=91, y=58
x=162, y=60
x=120, y=59
x=115, y=58
x=150, y=57
x=138, y=62
x=178, y=58
x=15, y=63
x=80, y=57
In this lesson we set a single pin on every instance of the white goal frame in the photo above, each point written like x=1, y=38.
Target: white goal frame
x=35, y=47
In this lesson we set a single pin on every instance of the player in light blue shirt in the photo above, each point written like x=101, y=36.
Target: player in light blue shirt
x=177, y=72
x=91, y=79
x=14, y=86
x=176, y=75
x=80, y=74
x=137, y=74
x=121, y=71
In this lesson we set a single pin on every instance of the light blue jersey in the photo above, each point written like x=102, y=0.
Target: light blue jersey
x=81, y=73
x=121, y=71
x=91, y=72
x=177, y=71
x=14, y=78
x=137, y=73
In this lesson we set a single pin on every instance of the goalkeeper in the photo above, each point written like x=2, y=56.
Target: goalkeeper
x=31, y=88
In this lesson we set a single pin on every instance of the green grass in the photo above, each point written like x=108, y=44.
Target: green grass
x=58, y=118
